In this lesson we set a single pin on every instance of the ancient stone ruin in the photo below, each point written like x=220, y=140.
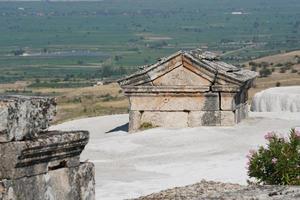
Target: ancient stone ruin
x=187, y=89
x=38, y=164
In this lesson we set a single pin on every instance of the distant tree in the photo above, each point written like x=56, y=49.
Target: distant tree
x=80, y=62
x=294, y=71
x=282, y=70
x=264, y=64
x=37, y=80
x=278, y=84
x=255, y=25
x=122, y=71
x=252, y=63
x=265, y=72
x=18, y=52
x=106, y=71
x=254, y=68
x=273, y=69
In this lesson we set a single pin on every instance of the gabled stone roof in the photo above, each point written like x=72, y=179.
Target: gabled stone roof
x=204, y=61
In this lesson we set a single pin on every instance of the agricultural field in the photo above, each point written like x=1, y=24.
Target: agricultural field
x=72, y=44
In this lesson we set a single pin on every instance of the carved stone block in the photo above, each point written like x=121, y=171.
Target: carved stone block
x=228, y=118
x=134, y=120
x=204, y=118
x=24, y=117
x=76, y=183
x=228, y=101
x=165, y=119
x=206, y=102
x=49, y=151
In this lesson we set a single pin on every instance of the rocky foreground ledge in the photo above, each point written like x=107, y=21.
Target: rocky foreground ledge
x=38, y=164
x=209, y=190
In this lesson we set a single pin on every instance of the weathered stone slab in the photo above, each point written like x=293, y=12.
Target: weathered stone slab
x=165, y=119
x=23, y=117
x=228, y=101
x=241, y=112
x=228, y=118
x=166, y=67
x=76, y=183
x=49, y=151
x=241, y=97
x=134, y=120
x=181, y=76
x=205, y=102
x=204, y=118
x=209, y=190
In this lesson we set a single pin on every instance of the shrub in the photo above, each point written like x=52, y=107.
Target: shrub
x=146, y=125
x=253, y=68
x=265, y=72
x=279, y=162
x=282, y=70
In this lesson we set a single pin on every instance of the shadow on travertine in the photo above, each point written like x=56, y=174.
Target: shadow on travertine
x=123, y=127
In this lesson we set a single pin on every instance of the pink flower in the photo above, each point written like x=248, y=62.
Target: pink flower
x=297, y=134
x=251, y=153
x=269, y=135
x=274, y=160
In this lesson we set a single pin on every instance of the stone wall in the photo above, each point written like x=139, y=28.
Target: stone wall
x=178, y=110
x=39, y=164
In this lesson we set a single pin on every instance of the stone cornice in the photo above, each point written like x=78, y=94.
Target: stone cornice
x=177, y=90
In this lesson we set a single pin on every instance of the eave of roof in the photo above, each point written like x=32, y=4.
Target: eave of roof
x=207, y=60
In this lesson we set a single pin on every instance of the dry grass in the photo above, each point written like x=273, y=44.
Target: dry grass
x=19, y=85
x=73, y=103
x=284, y=79
x=280, y=58
x=89, y=102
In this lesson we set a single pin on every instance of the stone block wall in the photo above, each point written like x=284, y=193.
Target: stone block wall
x=188, y=110
x=38, y=164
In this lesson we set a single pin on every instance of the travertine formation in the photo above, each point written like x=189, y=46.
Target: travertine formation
x=188, y=89
x=39, y=164
x=209, y=190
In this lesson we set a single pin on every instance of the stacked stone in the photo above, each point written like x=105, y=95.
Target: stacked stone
x=209, y=190
x=36, y=163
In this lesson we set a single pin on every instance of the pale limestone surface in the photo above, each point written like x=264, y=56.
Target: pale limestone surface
x=132, y=165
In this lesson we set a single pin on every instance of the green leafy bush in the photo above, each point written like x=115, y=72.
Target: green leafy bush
x=279, y=162
x=147, y=125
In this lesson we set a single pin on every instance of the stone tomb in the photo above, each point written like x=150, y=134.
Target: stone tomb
x=187, y=89
x=38, y=164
